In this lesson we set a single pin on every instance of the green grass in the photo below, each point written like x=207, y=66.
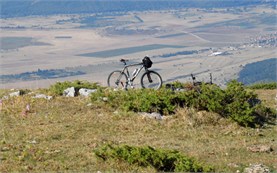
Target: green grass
x=61, y=134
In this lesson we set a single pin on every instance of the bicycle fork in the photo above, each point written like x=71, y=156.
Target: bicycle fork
x=149, y=77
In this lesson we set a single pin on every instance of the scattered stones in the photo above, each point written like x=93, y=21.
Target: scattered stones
x=5, y=97
x=256, y=168
x=260, y=149
x=153, y=115
x=69, y=92
x=43, y=96
x=52, y=151
x=32, y=142
x=86, y=92
x=15, y=94
x=105, y=99
x=89, y=104
x=234, y=165
x=180, y=90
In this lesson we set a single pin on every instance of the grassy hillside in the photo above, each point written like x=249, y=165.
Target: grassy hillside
x=64, y=134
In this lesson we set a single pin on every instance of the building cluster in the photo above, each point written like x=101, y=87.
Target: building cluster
x=268, y=40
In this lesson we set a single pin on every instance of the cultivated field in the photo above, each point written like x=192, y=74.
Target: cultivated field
x=219, y=39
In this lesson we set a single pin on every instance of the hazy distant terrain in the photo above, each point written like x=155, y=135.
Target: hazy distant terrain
x=44, y=41
x=17, y=8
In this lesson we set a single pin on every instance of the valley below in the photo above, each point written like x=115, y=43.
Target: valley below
x=180, y=42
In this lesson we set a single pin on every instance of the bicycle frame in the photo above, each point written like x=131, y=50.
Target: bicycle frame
x=131, y=79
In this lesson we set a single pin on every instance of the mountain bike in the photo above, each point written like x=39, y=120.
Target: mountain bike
x=121, y=79
x=195, y=85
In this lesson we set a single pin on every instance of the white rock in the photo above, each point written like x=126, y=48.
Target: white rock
x=86, y=92
x=90, y=104
x=15, y=94
x=153, y=115
x=32, y=142
x=43, y=96
x=69, y=92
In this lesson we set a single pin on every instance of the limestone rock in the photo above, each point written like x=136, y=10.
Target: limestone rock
x=153, y=115
x=69, y=92
x=15, y=94
x=86, y=92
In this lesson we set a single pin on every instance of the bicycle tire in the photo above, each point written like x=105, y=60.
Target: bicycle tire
x=151, y=79
x=117, y=80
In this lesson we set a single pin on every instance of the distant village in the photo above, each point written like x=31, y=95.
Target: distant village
x=265, y=41
x=268, y=40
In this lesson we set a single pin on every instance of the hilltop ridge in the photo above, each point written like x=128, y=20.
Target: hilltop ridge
x=71, y=133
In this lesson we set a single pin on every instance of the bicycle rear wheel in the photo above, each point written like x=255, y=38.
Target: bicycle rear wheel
x=117, y=79
x=151, y=79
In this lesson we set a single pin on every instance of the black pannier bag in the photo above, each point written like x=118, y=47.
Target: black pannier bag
x=147, y=62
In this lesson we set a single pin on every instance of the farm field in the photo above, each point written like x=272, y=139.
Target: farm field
x=220, y=42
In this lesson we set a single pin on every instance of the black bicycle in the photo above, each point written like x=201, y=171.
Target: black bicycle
x=121, y=79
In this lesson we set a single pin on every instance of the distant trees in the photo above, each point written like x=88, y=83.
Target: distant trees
x=18, y=8
x=262, y=71
x=39, y=74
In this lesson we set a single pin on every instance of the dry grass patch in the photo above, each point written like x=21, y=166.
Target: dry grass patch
x=268, y=97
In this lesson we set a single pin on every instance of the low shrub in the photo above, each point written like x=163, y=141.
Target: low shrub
x=59, y=87
x=161, y=160
x=235, y=102
x=147, y=100
x=270, y=86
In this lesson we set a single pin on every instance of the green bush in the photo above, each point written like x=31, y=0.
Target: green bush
x=161, y=160
x=146, y=100
x=270, y=86
x=209, y=98
x=235, y=102
x=59, y=87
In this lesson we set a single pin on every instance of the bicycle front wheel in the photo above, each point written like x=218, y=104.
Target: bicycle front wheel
x=151, y=79
x=117, y=79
